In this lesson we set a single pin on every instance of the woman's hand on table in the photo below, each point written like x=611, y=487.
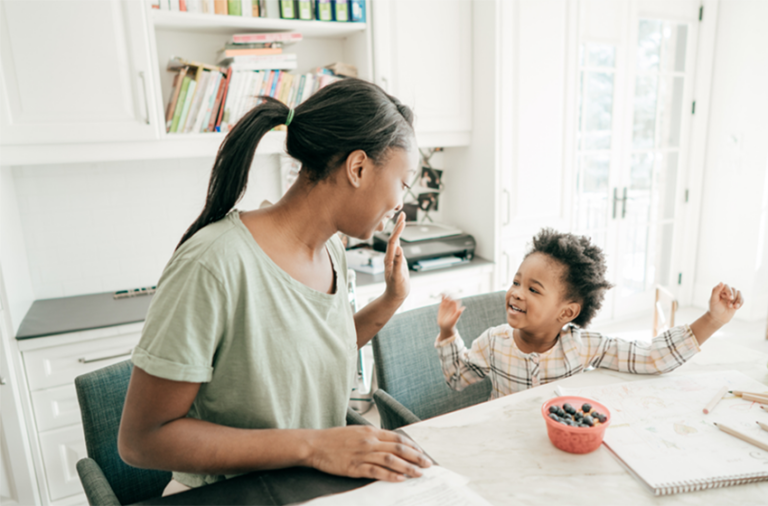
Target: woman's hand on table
x=366, y=452
x=396, y=266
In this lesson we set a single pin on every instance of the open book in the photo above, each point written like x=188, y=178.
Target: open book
x=660, y=434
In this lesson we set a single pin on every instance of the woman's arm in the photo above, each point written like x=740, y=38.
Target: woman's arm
x=155, y=433
x=370, y=319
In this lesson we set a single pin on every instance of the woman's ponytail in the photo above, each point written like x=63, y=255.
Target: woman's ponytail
x=338, y=119
x=229, y=176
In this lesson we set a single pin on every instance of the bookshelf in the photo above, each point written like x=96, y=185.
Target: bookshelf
x=214, y=23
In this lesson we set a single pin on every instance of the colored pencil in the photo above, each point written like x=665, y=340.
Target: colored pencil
x=742, y=436
x=754, y=398
x=740, y=393
x=763, y=426
x=720, y=393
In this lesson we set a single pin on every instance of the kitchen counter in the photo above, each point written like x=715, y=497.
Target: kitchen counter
x=82, y=312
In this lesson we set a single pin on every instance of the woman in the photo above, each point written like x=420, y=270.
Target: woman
x=250, y=345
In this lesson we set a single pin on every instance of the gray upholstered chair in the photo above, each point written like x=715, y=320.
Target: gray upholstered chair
x=411, y=382
x=106, y=479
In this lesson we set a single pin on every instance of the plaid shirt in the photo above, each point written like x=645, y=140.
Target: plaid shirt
x=496, y=354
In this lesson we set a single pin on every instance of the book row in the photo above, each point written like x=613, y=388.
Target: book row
x=207, y=99
x=322, y=10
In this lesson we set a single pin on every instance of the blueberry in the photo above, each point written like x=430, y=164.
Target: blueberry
x=589, y=421
x=554, y=417
x=553, y=409
x=578, y=415
x=560, y=411
x=567, y=416
x=586, y=408
x=601, y=417
x=568, y=408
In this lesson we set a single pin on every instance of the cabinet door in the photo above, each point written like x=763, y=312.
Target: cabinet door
x=75, y=71
x=537, y=56
x=61, y=449
x=423, y=56
x=17, y=476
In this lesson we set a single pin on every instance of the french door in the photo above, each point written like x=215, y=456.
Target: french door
x=634, y=109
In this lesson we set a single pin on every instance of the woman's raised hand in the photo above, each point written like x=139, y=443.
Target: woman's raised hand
x=366, y=452
x=396, y=266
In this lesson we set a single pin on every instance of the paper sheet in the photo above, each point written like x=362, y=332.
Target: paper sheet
x=437, y=487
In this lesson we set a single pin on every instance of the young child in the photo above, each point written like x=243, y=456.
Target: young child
x=556, y=292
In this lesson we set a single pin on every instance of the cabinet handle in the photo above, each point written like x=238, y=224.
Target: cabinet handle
x=385, y=84
x=508, y=205
x=146, y=102
x=624, y=204
x=88, y=360
x=2, y=380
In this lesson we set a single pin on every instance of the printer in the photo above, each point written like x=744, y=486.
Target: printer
x=430, y=245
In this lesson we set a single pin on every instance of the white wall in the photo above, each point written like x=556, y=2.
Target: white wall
x=734, y=217
x=100, y=227
x=13, y=253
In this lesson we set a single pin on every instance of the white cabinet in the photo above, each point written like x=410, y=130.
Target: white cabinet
x=423, y=56
x=426, y=287
x=51, y=365
x=75, y=71
x=537, y=52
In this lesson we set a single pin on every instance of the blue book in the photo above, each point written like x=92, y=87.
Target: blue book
x=357, y=11
x=274, y=83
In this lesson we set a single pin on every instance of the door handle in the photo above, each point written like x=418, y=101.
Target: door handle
x=615, y=199
x=508, y=205
x=624, y=204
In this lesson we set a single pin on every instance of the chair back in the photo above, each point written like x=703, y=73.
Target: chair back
x=407, y=365
x=663, y=311
x=101, y=395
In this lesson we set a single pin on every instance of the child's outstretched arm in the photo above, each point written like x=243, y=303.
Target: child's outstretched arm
x=723, y=304
x=461, y=367
x=667, y=351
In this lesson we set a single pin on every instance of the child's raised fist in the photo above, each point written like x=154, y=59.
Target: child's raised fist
x=724, y=303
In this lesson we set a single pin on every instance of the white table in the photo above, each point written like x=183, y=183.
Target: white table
x=502, y=445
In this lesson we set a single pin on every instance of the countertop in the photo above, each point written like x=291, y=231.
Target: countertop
x=48, y=317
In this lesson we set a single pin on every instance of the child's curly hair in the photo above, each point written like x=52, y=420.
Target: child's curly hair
x=584, y=273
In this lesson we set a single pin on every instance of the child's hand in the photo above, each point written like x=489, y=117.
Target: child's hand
x=447, y=315
x=724, y=303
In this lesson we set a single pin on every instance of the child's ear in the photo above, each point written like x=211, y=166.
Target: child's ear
x=569, y=312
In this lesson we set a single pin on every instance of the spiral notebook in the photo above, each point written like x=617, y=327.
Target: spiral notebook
x=661, y=436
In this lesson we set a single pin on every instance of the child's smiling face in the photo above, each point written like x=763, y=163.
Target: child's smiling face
x=535, y=301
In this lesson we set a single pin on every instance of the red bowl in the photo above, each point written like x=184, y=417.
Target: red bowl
x=575, y=439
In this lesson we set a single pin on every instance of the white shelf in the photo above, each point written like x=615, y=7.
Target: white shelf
x=168, y=147
x=218, y=23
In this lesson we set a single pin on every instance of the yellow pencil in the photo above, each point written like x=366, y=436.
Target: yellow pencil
x=740, y=393
x=743, y=437
x=754, y=398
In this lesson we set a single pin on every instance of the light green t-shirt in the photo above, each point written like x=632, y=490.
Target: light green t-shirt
x=269, y=351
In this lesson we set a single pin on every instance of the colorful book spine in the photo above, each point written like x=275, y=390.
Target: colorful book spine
x=323, y=10
x=180, y=104
x=211, y=126
x=340, y=11
x=187, y=104
x=177, y=82
x=287, y=9
x=225, y=91
x=241, y=38
x=304, y=8
x=357, y=11
x=235, y=7
x=220, y=7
